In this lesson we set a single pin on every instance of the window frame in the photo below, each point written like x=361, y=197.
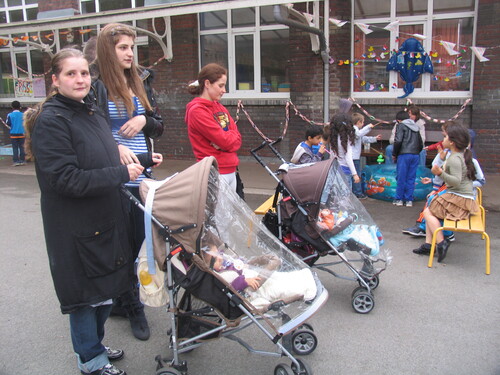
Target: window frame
x=232, y=33
x=427, y=21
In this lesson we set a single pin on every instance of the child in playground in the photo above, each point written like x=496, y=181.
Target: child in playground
x=361, y=137
x=15, y=124
x=342, y=138
x=259, y=279
x=414, y=114
x=407, y=146
x=438, y=187
x=312, y=148
x=458, y=201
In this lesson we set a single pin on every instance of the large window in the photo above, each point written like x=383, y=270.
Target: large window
x=391, y=22
x=253, y=48
x=15, y=58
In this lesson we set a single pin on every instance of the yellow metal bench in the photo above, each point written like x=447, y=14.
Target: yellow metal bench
x=474, y=224
x=264, y=207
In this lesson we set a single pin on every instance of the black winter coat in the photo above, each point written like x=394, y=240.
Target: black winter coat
x=407, y=139
x=84, y=213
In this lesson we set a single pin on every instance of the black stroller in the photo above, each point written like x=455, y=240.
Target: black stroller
x=315, y=215
x=225, y=271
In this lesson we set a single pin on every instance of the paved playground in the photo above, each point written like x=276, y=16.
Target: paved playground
x=444, y=320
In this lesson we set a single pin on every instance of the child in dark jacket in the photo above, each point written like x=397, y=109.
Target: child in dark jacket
x=407, y=146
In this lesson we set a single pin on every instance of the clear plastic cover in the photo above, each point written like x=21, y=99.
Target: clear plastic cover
x=344, y=223
x=247, y=257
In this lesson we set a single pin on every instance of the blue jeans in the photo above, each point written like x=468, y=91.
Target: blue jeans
x=348, y=175
x=388, y=156
x=17, y=150
x=406, y=172
x=357, y=189
x=87, y=332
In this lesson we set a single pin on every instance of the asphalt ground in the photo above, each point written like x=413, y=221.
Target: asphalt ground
x=444, y=320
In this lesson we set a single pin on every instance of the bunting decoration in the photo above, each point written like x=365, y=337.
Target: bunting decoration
x=337, y=22
x=364, y=28
x=392, y=26
x=479, y=52
x=449, y=47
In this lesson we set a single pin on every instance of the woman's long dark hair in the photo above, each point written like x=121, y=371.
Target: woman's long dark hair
x=459, y=135
x=341, y=126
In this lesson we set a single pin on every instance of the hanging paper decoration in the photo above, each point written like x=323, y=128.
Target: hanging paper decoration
x=364, y=27
x=419, y=36
x=405, y=64
x=337, y=22
x=448, y=46
x=479, y=52
x=392, y=26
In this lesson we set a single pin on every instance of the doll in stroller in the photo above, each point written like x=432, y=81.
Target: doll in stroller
x=315, y=215
x=205, y=238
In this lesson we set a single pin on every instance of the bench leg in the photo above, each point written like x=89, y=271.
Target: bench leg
x=433, y=246
x=485, y=235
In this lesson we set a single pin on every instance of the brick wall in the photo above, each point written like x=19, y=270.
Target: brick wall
x=306, y=78
x=486, y=100
x=45, y=5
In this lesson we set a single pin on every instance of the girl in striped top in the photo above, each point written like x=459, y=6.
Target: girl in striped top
x=124, y=93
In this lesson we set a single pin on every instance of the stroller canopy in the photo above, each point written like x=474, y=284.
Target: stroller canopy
x=180, y=202
x=305, y=183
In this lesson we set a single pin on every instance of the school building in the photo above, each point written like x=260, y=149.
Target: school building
x=304, y=53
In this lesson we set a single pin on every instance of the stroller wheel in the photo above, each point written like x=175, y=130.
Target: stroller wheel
x=372, y=283
x=304, y=369
x=362, y=300
x=283, y=369
x=304, y=342
x=170, y=371
x=306, y=326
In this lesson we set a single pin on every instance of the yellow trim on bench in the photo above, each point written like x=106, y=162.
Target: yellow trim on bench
x=266, y=206
x=474, y=224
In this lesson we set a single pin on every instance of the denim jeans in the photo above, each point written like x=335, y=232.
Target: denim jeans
x=388, y=156
x=357, y=189
x=348, y=175
x=17, y=150
x=87, y=332
x=406, y=171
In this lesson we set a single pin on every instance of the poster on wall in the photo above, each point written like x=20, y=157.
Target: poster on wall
x=24, y=87
x=39, y=88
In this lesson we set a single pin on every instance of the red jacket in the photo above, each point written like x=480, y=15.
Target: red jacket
x=212, y=132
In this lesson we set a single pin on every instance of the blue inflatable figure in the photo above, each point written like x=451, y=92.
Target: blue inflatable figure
x=410, y=61
x=380, y=182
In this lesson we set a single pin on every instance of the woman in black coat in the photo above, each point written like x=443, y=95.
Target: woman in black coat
x=84, y=213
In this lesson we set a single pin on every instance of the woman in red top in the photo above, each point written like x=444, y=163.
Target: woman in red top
x=211, y=130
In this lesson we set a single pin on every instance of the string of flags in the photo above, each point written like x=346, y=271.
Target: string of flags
x=49, y=36
x=449, y=46
x=409, y=102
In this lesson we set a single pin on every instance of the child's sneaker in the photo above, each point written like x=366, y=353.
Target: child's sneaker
x=397, y=203
x=109, y=369
x=114, y=354
x=451, y=237
x=409, y=204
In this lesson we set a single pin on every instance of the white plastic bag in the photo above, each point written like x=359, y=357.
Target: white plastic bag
x=155, y=293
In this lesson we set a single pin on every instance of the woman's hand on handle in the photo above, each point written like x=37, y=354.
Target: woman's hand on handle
x=157, y=159
x=127, y=156
x=134, y=171
x=132, y=126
